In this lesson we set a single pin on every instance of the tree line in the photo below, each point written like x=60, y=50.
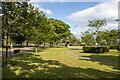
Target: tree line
x=95, y=36
x=24, y=22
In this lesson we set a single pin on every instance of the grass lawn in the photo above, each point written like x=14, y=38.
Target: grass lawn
x=55, y=63
x=112, y=55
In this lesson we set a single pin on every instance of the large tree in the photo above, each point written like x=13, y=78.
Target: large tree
x=60, y=30
x=9, y=21
x=97, y=24
x=22, y=21
x=16, y=22
x=41, y=30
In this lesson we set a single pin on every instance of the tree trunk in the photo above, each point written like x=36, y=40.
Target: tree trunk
x=27, y=44
x=2, y=49
x=68, y=45
x=51, y=44
x=7, y=47
x=44, y=44
x=21, y=43
x=36, y=48
x=11, y=46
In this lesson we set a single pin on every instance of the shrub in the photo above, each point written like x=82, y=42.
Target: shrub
x=113, y=47
x=96, y=49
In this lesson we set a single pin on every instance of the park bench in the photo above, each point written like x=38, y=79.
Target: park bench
x=16, y=51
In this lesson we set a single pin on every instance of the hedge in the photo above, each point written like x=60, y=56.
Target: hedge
x=113, y=47
x=95, y=49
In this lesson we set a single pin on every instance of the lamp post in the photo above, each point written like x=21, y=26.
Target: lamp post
x=117, y=20
x=118, y=40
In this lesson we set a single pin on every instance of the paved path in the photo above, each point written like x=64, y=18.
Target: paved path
x=72, y=53
x=10, y=52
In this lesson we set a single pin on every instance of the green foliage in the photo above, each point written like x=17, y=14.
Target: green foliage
x=113, y=35
x=109, y=37
x=60, y=30
x=74, y=41
x=95, y=49
x=97, y=23
x=88, y=39
x=113, y=46
x=102, y=38
x=13, y=18
x=24, y=22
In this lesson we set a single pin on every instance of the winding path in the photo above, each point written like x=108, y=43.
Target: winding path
x=72, y=53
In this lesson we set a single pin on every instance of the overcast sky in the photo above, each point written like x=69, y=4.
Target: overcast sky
x=77, y=13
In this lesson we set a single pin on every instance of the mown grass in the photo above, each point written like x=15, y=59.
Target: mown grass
x=111, y=55
x=54, y=63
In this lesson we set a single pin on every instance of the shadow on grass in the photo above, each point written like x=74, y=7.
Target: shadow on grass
x=11, y=52
x=28, y=65
x=105, y=59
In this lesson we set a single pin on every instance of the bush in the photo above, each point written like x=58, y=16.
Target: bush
x=113, y=47
x=96, y=49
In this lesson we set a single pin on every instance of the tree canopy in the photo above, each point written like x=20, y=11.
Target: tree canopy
x=23, y=22
x=91, y=37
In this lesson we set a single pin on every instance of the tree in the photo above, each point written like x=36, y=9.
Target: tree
x=102, y=37
x=88, y=39
x=22, y=21
x=108, y=37
x=97, y=24
x=74, y=41
x=112, y=35
x=14, y=22
x=36, y=28
x=26, y=20
x=60, y=30
x=8, y=21
x=41, y=30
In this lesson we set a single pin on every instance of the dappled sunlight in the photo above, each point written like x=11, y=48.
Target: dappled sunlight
x=104, y=59
x=55, y=63
x=17, y=70
x=38, y=45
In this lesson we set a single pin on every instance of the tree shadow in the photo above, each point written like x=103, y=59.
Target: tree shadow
x=11, y=52
x=28, y=65
x=91, y=52
x=105, y=60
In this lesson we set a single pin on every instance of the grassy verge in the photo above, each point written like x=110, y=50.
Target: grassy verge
x=54, y=63
x=112, y=55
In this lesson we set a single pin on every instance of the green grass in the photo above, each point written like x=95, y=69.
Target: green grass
x=112, y=55
x=54, y=62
